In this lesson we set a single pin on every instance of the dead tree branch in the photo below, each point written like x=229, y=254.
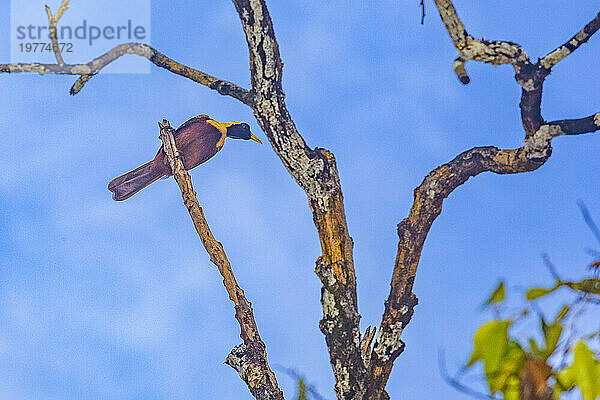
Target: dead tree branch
x=87, y=71
x=316, y=172
x=250, y=357
x=436, y=186
x=52, y=20
x=361, y=371
x=573, y=44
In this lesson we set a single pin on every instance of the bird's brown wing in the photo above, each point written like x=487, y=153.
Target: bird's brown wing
x=197, y=140
x=200, y=118
x=200, y=148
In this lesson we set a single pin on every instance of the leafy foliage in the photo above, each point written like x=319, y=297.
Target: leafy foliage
x=512, y=361
x=524, y=365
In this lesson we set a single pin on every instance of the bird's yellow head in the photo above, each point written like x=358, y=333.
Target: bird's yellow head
x=240, y=130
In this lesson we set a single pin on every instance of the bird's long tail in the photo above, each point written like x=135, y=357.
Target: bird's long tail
x=126, y=185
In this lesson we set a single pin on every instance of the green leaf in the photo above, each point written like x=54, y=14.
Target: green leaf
x=535, y=349
x=497, y=295
x=536, y=293
x=301, y=390
x=562, y=314
x=510, y=366
x=556, y=393
x=511, y=390
x=585, y=371
x=490, y=344
x=565, y=381
x=552, y=336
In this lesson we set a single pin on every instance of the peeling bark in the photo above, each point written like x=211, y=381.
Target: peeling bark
x=316, y=173
x=361, y=369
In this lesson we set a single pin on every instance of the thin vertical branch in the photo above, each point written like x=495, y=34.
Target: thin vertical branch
x=249, y=358
x=52, y=21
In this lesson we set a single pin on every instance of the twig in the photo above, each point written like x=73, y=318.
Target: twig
x=87, y=71
x=52, y=21
x=572, y=44
x=551, y=267
x=249, y=358
x=365, y=344
x=578, y=126
x=587, y=217
x=422, y=5
x=455, y=382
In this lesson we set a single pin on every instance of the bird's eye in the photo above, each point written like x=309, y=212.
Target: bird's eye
x=246, y=126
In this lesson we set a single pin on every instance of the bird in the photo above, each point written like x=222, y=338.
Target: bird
x=198, y=139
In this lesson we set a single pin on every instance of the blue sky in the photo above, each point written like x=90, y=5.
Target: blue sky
x=100, y=299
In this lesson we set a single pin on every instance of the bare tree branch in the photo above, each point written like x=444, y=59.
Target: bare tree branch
x=573, y=44
x=249, y=358
x=454, y=26
x=87, y=71
x=412, y=231
x=489, y=51
x=529, y=76
x=52, y=20
x=578, y=126
x=436, y=186
x=361, y=371
x=365, y=344
x=316, y=172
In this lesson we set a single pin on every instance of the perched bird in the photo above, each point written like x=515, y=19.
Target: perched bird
x=197, y=140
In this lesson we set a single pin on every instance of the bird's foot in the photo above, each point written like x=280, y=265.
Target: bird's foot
x=180, y=156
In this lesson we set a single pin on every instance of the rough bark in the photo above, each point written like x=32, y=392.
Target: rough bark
x=361, y=371
x=412, y=231
x=316, y=173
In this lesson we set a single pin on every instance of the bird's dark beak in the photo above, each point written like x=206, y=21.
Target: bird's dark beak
x=255, y=138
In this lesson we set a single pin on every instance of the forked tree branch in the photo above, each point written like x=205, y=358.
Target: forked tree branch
x=490, y=51
x=87, y=71
x=436, y=186
x=250, y=357
x=52, y=20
